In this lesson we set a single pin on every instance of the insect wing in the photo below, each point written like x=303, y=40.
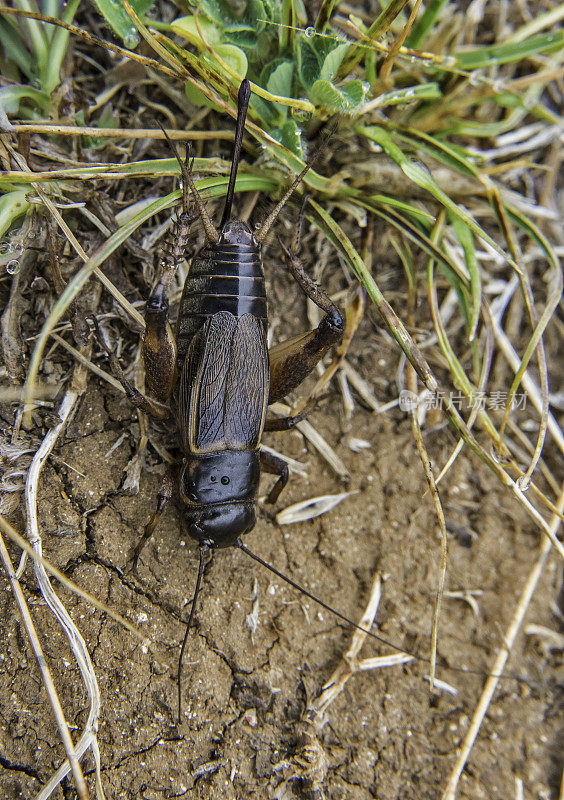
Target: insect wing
x=203, y=383
x=246, y=394
x=224, y=385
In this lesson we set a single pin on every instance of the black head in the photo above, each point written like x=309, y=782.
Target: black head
x=219, y=496
x=220, y=525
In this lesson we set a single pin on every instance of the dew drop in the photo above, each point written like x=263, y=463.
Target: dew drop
x=131, y=39
x=310, y=32
x=13, y=266
x=475, y=78
x=5, y=247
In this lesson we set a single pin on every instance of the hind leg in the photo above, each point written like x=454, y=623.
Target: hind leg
x=291, y=361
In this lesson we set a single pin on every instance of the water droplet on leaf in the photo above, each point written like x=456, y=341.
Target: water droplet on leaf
x=13, y=266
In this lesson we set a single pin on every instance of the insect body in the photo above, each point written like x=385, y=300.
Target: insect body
x=217, y=376
x=223, y=386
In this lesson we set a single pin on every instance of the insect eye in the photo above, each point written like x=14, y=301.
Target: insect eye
x=213, y=478
x=225, y=480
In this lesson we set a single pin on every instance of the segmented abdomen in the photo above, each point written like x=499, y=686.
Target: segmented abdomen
x=221, y=278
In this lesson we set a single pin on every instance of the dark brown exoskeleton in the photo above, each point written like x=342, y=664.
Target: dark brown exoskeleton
x=217, y=376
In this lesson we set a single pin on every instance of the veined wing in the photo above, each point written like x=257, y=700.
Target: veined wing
x=224, y=385
x=246, y=391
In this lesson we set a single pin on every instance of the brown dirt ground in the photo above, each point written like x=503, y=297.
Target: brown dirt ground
x=386, y=736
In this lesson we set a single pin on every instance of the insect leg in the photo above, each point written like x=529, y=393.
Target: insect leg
x=137, y=398
x=276, y=466
x=287, y=423
x=159, y=347
x=291, y=361
x=165, y=494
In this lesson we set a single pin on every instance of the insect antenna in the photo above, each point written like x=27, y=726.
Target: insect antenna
x=188, y=180
x=203, y=552
x=270, y=220
x=414, y=656
x=333, y=611
x=242, y=107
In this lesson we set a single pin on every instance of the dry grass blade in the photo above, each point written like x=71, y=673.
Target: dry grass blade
x=503, y=655
x=88, y=364
x=529, y=385
x=315, y=438
x=122, y=133
x=416, y=429
x=309, y=509
x=51, y=569
x=62, y=725
x=294, y=466
x=310, y=764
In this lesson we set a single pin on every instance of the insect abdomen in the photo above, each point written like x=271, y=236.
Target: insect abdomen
x=223, y=277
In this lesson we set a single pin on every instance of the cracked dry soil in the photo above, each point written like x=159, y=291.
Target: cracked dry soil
x=386, y=736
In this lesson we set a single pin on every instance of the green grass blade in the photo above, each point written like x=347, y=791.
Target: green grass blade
x=466, y=239
x=496, y=54
x=423, y=178
x=425, y=22
x=58, y=49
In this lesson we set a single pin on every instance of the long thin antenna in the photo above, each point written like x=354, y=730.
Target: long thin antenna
x=297, y=586
x=203, y=552
x=188, y=180
x=242, y=106
x=270, y=220
x=336, y=613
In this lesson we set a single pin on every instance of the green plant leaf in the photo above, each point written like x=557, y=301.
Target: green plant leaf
x=466, y=239
x=234, y=57
x=265, y=110
x=454, y=157
x=323, y=93
x=277, y=76
x=256, y=13
x=117, y=17
x=14, y=47
x=425, y=22
x=11, y=96
x=187, y=27
x=308, y=62
x=512, y=52
x=355, y=92
x=290, y=136
x=332, y=61
x=242, y=35
x=12, y=205
x=248, y=40
x=219, y=11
